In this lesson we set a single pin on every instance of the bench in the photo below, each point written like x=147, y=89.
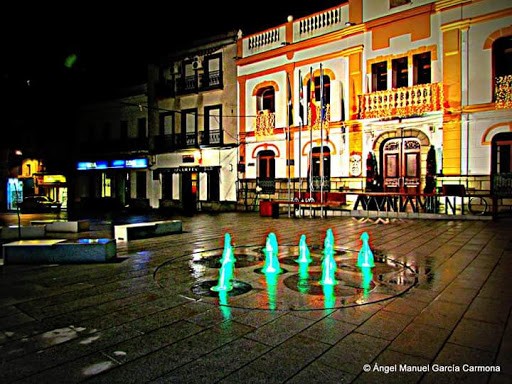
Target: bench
x=24, y=232
x=132, y=231
x=55, y=251
x=73, y=226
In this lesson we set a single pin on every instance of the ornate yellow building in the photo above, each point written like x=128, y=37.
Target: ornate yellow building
x=378, y=95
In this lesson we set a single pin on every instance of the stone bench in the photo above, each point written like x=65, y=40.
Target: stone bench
x=24, y=232
x=63, y=225
x=125, y=232
x=55, y=251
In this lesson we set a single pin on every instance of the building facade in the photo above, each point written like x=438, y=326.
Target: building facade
x=378, y=95
x=192, y=114
x=113, y=159
x=168, y=144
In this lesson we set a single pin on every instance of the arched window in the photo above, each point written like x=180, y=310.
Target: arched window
x=502, y=65
x=327, y=90
x=266, y=99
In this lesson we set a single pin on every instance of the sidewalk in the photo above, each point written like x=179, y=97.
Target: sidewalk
x=139, y=319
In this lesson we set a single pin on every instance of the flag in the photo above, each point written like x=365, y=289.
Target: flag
x=323, y=107
x=301, y=100
x=312, y=106
x=290, y=103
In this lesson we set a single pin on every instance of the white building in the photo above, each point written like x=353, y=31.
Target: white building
x=394, y=80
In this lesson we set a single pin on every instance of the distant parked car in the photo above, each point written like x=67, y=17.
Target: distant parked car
x=39, y=204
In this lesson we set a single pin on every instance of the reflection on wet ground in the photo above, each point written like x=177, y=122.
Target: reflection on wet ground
x=297, y=287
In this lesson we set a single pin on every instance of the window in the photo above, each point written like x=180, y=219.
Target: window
x=106, y=185
x=166, y=123
x=212, y=77
x=213, y=125
x=266, y=99
x=400, y=72
x=502, y=57
x=422, y=68
x=189, y=126
x=327, y=90
x=380, y=76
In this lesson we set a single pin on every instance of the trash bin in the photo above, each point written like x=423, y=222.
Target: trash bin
x=266, y=208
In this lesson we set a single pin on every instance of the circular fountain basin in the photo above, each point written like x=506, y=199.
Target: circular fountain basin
x=297, y=286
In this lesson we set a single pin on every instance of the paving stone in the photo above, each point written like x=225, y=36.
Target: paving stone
x=119, y=323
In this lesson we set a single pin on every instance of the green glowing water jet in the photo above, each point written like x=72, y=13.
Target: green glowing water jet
x=365, y=256
x=304, y=252
x=328, y=263
x=227, y=269
x=271, y=251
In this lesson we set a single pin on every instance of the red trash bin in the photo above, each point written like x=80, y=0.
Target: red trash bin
x=266, y=208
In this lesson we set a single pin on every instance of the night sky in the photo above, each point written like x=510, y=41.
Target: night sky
x=52, y=54
x=38, y=38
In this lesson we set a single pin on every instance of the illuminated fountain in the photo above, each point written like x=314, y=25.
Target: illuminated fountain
x=227, y=268
x=304, y=252
x=365, y=255
x=325, y=277
x=328, y=262
x=271, y=251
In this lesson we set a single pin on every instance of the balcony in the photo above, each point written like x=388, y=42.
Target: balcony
x=503, y=91
x=199, y=82
x=212, y=137
x=401, y=102
x=265, y=123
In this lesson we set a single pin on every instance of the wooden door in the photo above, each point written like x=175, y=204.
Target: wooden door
x=402, y=165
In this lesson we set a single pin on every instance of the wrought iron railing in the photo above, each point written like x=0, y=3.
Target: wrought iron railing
x=265, y=123
x=268, y=186
x=502, y=185
x=503, y=91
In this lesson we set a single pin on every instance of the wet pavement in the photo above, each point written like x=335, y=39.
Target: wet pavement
x=435, y=308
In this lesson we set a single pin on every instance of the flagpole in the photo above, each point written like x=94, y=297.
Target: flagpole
x=321, y=142
x=301, y=117
x=288, y=161
x=288, y=123
x=311, y=85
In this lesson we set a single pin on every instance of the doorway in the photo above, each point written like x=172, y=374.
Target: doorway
x=189, y=192
x=402, y=165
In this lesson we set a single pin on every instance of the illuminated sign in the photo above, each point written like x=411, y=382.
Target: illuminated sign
x=104, y=164
x=54, y=179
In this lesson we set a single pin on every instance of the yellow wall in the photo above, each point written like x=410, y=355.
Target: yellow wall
x=452, y=98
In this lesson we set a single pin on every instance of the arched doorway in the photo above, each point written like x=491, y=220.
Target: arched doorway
x=501, y=164
x=320, y=168
x=402, y=165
